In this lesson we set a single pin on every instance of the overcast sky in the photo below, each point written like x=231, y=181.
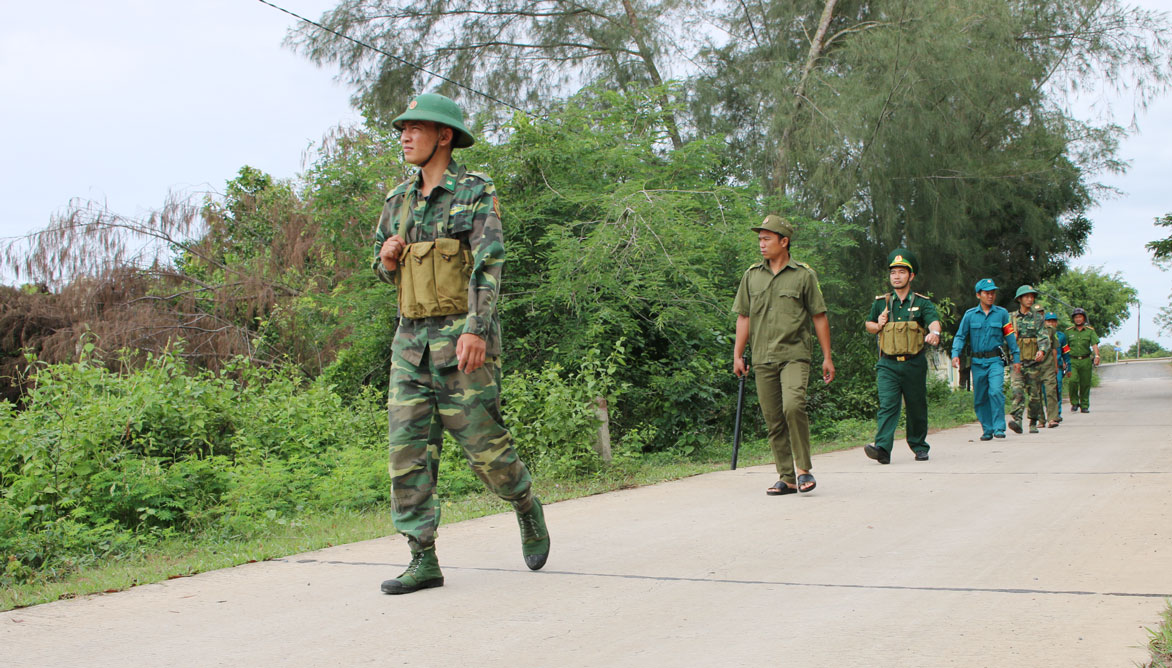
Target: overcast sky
x=125, y=100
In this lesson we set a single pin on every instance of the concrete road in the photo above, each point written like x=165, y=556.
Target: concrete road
x=1052, y=549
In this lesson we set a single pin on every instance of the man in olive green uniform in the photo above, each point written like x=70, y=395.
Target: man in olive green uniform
x=439, y=240
x=1029, y=323
x=904, y=322
x=1050, y=377
x=1084, y=353
x=776, y=303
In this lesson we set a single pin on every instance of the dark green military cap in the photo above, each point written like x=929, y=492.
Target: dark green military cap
x=902, y=257
x=438, y=109
x=777, y=225
x=1025, y=290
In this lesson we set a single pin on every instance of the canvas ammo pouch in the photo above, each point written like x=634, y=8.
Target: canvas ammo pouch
x=1028, y=347
x=433, y=275
x=901, y=338
x=433, y=278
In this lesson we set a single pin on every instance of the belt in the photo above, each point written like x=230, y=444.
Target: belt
x=987, y=354
x=1080, y=357
x=900, y=358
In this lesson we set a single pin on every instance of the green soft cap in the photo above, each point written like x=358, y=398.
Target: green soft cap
x=438, y=109
x=777, y=225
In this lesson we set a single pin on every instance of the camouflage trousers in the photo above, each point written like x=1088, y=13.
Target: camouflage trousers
x=1027, y=381
x=1051, y=384
x=424, y=400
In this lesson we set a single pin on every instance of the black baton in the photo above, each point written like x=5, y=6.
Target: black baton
x=737, y=423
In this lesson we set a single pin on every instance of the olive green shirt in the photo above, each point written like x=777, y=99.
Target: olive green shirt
x=779, y=307
x=1080, y=342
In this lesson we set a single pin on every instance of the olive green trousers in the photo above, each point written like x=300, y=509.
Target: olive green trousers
x=781, y=391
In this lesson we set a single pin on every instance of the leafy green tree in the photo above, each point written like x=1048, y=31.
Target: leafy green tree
x=1162, y=248
x=937, y=125
x=1146, y=347
x=1106, y=298
x=518, y=51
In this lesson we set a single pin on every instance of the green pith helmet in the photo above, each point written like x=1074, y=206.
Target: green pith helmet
x=1025, y=290
x=777, y=225
x=438, y=109
x=902, y=257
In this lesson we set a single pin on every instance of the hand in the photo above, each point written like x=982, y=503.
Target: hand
x=739, y=367
x=827, y=370
x=955, y=362
x=882, y=319
x=391, y=251
x=470, y=352
x=1017, y=367
x=1039, y=356
x=932, y=339
x=1096, y=360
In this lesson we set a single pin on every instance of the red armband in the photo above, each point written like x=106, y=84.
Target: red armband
x=1007, y=329
x=1065, y=350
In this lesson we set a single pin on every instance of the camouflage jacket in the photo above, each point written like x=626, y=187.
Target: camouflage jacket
x=1031, y=325
x=462, y=207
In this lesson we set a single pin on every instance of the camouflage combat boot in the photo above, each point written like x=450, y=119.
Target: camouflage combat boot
x=534, y=536
x=422, y=573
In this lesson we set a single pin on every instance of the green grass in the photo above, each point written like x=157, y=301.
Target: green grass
x=1160, y=644
x=190, y=554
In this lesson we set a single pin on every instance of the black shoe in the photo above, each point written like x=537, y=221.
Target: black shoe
x=998, y=434
x=1084, y=410
x=878, y=454
x=921, y=456
x=986, y=437
x=1015, y=426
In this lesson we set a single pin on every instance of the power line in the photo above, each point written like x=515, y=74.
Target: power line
x=397, y=58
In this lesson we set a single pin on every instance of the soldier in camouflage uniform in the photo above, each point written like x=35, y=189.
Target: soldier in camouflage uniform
x=1029, y=323
x=439, y=240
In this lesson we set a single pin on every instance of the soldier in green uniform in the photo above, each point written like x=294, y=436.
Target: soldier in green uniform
x=1029, y=323
x=776, y=303
x=904, y=322
x=439, y=240
x=1050, y=377
x=1084, y=352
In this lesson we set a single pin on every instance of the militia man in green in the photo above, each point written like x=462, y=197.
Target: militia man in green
x=1084, y=353
x=1029, y=322
x=776, y=303
x=1051, y=373
x=904, y=321
x=439, y=240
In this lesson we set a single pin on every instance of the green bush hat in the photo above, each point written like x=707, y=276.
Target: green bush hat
x=902, y=257
x=1024, y=290
x=439, y=109
x=986, y=285
x=777, y=225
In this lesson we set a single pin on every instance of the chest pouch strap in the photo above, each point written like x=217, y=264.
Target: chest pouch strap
x=433, y=275
x=901, y=338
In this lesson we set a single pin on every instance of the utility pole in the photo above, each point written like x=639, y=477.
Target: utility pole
x=1138, y=319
